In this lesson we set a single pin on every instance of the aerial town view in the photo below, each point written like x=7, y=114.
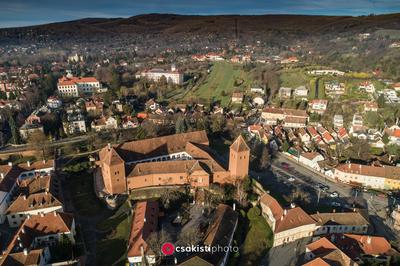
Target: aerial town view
x=200, y=133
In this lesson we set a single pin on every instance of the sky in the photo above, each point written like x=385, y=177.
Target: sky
x=15, y=13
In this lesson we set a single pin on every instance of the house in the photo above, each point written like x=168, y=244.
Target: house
x=291, y=117
x=94, y=106
x=54, y=102
x=334, y=88
x=75, y=86
x=331, y=72
x=364, y=248
x=27, y=130
x=379, y=177
x=338, y=121
x=394, y=137
x=258, y=132
x=152, y=105
x=144, y=223
x=287, y=225
x=301, y=92
x=340, y=222
x=313, y=133
x=323, y=252
x=370, y=107
x=220, y=233
x=342, y=134
x=30, y=244
x=173, y=76
x=104, y=123
x=237, y=97
x=311, y=159
x=257, y=90
x=367, y=86
x=357, y=121
x=317, y=106
x=285, y=92
x=305, y=138
x=75, y=123
x=129, y=122
x=174, y=160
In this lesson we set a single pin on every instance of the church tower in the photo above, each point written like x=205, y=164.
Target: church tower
x=113, y=171
x=239, y=156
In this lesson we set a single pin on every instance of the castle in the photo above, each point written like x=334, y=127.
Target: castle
x=180, y=159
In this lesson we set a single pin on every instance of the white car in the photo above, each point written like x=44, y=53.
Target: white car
x=291, y=179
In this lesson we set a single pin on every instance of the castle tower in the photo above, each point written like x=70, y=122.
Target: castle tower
x=113, y=171
x=239, y=156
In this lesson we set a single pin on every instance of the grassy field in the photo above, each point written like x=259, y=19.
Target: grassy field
x=293, y=78
x=258, y=239
x=82, y=193
x=113, y=247
x=220, y=83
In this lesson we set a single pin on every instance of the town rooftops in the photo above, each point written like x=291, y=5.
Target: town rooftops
x=144, y=223
x=293, y=218
x=317, y=262
x=356, y=245
x=391, y=172
x=338, y=218
x=310, y=155
x=287, y=112
x=65, y=81
x=273, y=204
x=20, y=258
x=33, y=202
x=321, y=246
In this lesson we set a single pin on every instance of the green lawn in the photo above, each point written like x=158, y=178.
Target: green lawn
x=258, y=240
x=111, y=249
x=293, y=79
x=220, y=83
x=85, y=201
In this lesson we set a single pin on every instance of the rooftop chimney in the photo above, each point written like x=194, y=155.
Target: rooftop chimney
x=25, y=251
x=144, y=219
x=109, y=146
x=2, y=175
x=28, y=163
x=234, y=206
x=369, y=239
x=9, y=163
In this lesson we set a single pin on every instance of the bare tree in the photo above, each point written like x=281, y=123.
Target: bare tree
x=190, y=236
x=155, y=242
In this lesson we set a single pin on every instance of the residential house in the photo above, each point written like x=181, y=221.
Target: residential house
x=54, y=102
x=367, y=86
x=317, y=106
x=291, y=117
x=75, y=123
x=342, y=134
x=304, y=136
x=340, y=222
x=394, y=135
x=334, y=88
x=129, y=122
x=323, y=252
x=288, y=225
x=338, y=121
x=104, y=123
x=301, y=92
x=311, y=159
x=370, y=107
x=378, y=177
x=257, y=90
x=30, y=244
x=237, y=97
x=285, y=92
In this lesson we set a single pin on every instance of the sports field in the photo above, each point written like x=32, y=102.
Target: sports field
x=220, y=82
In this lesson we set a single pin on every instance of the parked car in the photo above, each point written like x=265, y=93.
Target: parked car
x=291, y=179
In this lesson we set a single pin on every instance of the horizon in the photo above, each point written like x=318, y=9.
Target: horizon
x=22, y=13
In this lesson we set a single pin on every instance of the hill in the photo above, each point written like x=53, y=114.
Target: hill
x=176, y=26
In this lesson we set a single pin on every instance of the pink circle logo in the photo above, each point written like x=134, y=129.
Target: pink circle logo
x=168, y=249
